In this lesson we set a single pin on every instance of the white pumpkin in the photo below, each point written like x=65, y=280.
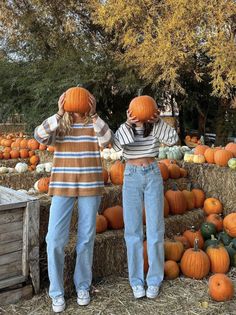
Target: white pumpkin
x=36, y=186
x=48, y=167
x=21, y=167
x=40, y=168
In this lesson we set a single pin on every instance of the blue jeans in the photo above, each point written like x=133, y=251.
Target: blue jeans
x=143, y=187
x=58, y=235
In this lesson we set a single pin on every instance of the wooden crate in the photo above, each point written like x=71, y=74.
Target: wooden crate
x=19, y=243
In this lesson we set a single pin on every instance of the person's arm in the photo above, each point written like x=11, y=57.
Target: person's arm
x=165, y=133
x=102, y=130
x=46, y=132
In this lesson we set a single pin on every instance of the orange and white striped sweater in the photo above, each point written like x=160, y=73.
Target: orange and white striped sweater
x=77, y=166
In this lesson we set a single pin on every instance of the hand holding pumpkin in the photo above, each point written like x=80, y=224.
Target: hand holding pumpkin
x=155, y=118
x=131, y=119
x=61, y=103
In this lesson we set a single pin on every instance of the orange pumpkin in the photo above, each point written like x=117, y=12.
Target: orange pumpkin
x=217, y=220
x=195, y=263
x=222, y=157
x=200, y=149
x=42, y=147
x=114, y=216
x=143, y=107
x=176, y=201
x=174, y=171
x=193, y=234
x=101, y=223
x=212, y=205
x=43, y=184
x=231, y=147
x=6, y=155
x=209, y=155
x=24, y=153
x=199, y=197
x=183, y=240
x=15, y=154
x=171, y=270
x=190, y=199
x=164, y=171
x=219, y=258
x=33, y=144
x=229, y=224
x=117, y=173
x=34, y=159
x=220, y=287
x=173, y=250
x=183, y=172
x=167, y=162
x=77, y=100
x=51, y=148
x=24, y=144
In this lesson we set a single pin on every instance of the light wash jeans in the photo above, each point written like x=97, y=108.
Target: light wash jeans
x=58, y=235
x=143, y=187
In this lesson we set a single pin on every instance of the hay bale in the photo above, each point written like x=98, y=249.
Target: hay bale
x=44, y=156
x=218, y=182
x=13, y=162
x=20, y=180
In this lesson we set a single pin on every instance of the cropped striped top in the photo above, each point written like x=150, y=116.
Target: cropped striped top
x=77, y=168
x=135, y=146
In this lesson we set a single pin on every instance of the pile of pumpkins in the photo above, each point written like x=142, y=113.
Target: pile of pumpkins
x=214, y=155
x=212, y=248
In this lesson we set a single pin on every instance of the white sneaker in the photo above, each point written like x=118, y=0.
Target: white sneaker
x=83, y=297
x=58, y=304
x=138, y=291
x=152, y=292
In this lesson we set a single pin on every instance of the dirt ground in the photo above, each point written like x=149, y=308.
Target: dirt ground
x=113, y=296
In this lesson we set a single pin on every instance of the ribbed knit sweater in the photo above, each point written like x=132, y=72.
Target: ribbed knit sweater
x=77, y=167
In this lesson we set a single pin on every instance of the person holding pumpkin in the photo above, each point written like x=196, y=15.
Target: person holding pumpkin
x=140, y=137
x=76, y=131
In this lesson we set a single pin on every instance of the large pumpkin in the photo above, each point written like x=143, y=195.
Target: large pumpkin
x=231, y=147
x=221, y=287
x=195, y=263
x=219, y=258
x=222, y=157
x=199, y=197
x=143, y=107
x=174, y=171
x=77, y=100
x=229, y=224
x=114, y=216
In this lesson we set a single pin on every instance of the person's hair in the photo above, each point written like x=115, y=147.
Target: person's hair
x=65, y=124
x=147, y=129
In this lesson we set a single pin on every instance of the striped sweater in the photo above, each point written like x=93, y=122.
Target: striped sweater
x=135, y=146
x=77, y=167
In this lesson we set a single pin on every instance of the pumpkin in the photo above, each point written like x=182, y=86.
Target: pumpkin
x=222, y=157
x=193, y=234
x=190, y=199
x=24, y=153
x=33, y=144
x=183, y=240
x=34, y=159
x=199, y=197
x=219, y=258
x=217, y=220
x=176, y=200
x=188, y=157
x=77, y=100
x=207, y=229
x=209, y=155
x=232, y=254
x=211, y=242
x=200, y=149
x=42, y=147
x=212, y=205
x=195, y=263
x=220, y=287
x=101, y=223
x=6, y=155
x=229, y=224
x=114, y=216
x=167, y=162
x=51, y=148
x=224, y=238
x=171, y=270
x=231, y=146
x=164, y=171
x=174, y=171
x=43, y=184
x=145, y=257
x=173, y=250
x=15, y=154
x=117, y=173
x=232, y=163
x=143, y=107
x=21, y=167
x=199, y=159
x=183, y=172
x=24, y=144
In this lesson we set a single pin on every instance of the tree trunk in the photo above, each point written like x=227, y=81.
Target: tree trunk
x=221, y=123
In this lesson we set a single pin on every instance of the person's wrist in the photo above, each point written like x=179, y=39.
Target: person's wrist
x=128, y=123
x=94, y=115
x=60, y=114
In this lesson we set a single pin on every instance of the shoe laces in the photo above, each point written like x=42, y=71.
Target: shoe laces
x=82, y=294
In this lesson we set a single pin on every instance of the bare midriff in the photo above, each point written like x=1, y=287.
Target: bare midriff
x=141, y=161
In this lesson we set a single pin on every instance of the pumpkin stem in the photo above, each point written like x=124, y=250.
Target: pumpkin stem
x=193, y=228
x=195, y=247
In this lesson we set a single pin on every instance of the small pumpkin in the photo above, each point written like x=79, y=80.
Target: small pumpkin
x=101, y=223
x=224, y=238
x=33, y=144
x=117, y=172
x=212, y=205
x=232, y=163
x=174, y=171
x=229, y=224
x=183, y=240
x=173, y=250
x=199, y=159
x=199, y=197
x=34, y=159
x=200, y=149
x=195, y=263
x=217, y=220
x=193, y=234
x=221, y=287
x=207, y=229
x=114, y=216
x=176, y=200
x=190, y=199
x=43, y=184
x=164, y=171
x=171, y=270
x=219, y=258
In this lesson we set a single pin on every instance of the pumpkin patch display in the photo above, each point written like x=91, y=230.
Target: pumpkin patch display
x=77, y=100
x=143, y=107
x=195, y=263
x=173, y=250
x=117, y=173
x=171, y=270
x=221, y=287
x=114, y=216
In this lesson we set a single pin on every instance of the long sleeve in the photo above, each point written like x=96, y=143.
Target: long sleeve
x=124, y=134
x=46, y=132
x=165, y=133
x=102, y=131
